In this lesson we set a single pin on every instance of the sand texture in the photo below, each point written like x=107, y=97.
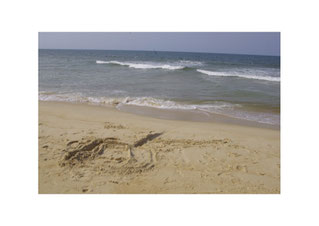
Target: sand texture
x=91, y=149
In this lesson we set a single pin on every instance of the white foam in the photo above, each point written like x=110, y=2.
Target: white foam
x=64, y=97
x=156, y=103
x=142, y=66
x=137, y=101
x=222, y=74
x=218, y=107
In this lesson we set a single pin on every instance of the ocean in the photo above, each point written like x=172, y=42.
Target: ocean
x=245, y=87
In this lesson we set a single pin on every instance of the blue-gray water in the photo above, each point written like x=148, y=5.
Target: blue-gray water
x=240, y=86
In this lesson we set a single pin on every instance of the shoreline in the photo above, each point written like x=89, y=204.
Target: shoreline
x=130, y=153
x=193, y=116
x=178, y=114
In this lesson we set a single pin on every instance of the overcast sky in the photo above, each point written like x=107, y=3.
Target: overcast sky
x=259, y=43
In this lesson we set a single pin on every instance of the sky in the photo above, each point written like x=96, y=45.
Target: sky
x=255, y=43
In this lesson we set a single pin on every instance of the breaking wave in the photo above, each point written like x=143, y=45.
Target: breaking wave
x=137, y=101
x=222, y=74
x=218, y=107
x=144, y=65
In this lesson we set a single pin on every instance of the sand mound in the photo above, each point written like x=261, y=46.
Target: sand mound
x=77, y=152
x=109, y=155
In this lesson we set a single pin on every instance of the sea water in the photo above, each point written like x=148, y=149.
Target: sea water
x=238, y=86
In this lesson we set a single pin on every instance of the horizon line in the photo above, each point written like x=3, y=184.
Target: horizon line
x=161, y=51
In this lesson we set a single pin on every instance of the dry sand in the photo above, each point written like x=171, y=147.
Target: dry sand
x=92, y=149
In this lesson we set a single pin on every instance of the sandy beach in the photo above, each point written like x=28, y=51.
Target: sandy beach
x=93, y=149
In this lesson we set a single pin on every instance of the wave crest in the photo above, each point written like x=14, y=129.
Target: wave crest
x=222, y=74
x=142, y=66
